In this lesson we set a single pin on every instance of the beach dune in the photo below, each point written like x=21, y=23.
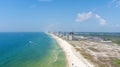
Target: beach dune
x=72, y=59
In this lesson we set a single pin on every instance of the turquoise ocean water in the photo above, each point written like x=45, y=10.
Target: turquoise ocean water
x=30, y=50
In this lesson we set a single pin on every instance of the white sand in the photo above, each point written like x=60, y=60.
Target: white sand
x=73, y=60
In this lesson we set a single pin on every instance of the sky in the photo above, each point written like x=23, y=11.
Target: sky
x=60, y=15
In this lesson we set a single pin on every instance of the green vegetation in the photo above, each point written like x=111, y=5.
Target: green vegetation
x=89, y=57
x=114, y=37
x=117, y=42
x=116, y=62
x=93, y=49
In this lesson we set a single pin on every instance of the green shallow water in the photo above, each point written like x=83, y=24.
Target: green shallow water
x=30, y=50
x=55, y=58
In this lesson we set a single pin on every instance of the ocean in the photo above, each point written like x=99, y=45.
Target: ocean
x=30, y=49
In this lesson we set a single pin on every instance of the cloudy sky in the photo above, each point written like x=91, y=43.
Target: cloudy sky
x=60, y=15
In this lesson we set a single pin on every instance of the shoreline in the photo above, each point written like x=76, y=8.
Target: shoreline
x=71, y=59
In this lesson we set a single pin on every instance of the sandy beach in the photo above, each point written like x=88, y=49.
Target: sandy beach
x=73, y=59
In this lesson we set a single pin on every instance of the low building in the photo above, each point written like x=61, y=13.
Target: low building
x=69, y=36
x=106, y=41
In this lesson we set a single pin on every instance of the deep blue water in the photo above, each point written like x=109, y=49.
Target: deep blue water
x=29, y=50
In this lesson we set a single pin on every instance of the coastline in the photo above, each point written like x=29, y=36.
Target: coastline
x=71, y=59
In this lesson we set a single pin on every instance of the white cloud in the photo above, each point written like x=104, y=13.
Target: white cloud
x=115, y=3
x=118, y=3
x=90, y=15
x=83, y=16
x=101, y=20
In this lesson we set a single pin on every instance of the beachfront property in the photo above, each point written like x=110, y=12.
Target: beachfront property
x=59, y=33
x=95, y=49
x=69, y=36
x=65, y=35
x=79, y=37
x=109, y=41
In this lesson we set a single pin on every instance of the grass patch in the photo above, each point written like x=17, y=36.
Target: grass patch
x=117, y=42
x=93, y=49
x=91, y=58
x=116, y=62
x=72, y=44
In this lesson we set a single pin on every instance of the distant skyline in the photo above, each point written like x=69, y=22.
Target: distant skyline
x=59, y=15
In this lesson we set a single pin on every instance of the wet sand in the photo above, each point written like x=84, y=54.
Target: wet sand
x=73, y=60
